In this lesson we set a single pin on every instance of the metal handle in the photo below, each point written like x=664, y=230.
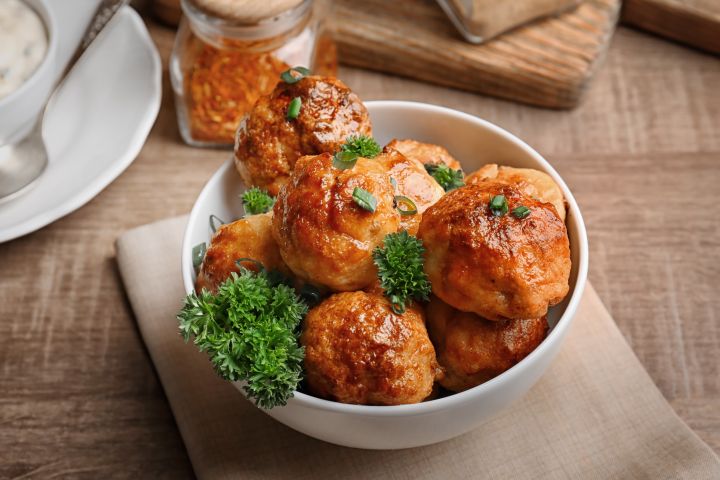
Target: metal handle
x=104, y=13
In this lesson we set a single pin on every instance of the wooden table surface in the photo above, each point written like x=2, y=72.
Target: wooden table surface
x=78, y=393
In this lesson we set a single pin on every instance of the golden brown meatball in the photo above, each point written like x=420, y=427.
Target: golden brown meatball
x=496, y=266
x=425, y=153
x=324, y=236
x=358, y=351
x=473, y=350
x=412, y=181
x=268, y=144
x=531, y=182
x=249, y=237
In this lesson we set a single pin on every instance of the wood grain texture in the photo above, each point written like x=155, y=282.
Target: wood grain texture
x=78, y=394
x=548, y=63
x=693, y=22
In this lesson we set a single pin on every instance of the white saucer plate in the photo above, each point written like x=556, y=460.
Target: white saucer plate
x=95, y=127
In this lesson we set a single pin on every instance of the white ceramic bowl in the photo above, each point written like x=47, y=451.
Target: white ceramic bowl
x=474, y=142
x=19, y=109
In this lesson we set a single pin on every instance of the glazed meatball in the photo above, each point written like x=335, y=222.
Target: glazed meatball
x=412, y=181
x=473, y=350
x=324, y=235
x=495, y=266
x=425, y=153
x=531, y=182
x=268, y=144
x=250, y=237
x=358, y=351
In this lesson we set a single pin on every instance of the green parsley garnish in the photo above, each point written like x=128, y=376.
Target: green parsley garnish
x=364, y=199
x=448, y=178
x=294, y=74
x=256, y=200
x=498, y=205
x=521, y=212
x=355, y=146
x=294, y=108
x=400, y=269
x=249, y=329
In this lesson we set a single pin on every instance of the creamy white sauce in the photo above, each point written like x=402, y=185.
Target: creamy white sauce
x=23, y=44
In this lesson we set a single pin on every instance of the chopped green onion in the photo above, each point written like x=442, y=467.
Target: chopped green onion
x=521, y=212
x=288, y=77
x=364, y=199
x=400, y=200
x=498, y=205
x=294, y=108
x=239, y=262
x=397, y=305
x=213, y=220
x=343, y=160
x=198, y=255
x=393, y=182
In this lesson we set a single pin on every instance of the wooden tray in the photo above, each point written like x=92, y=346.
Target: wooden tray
x=548, y=63
x=694, y=22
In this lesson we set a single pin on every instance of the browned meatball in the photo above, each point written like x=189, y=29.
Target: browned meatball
x=324, y=236
x=268, y=144
x=531, y=182
x=425, y=153
x=249, y=237
x=358, y=351
x=412, y=181
x=473, y=350
x=495, y=266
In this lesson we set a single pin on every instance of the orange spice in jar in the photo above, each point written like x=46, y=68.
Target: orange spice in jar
x=228, y=53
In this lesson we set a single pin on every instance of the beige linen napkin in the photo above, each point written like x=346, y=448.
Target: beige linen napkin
x=594, y=414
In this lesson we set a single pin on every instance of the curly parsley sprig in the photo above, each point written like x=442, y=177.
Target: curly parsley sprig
x=448, y=178
x=400, y=270
x=249, y=329
x=256, y=200
x=356, y=146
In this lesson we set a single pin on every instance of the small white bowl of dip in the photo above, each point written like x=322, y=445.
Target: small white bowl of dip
x=28, y=49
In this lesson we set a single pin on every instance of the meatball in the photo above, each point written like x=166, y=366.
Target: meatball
x=412, y=181
x=249, y=237
x=358, y=351
x=495, y=266
x=473, y=350
x=531, y=182
x=425, y=153
x=325, y=237
x=268, y=144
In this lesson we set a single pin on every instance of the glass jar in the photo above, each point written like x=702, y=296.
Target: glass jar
x=220, y=66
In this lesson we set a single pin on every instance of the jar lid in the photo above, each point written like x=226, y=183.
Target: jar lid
x=245, y=11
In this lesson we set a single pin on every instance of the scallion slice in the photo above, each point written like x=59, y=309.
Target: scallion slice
x=364, y=199
x=294, y=74
x=343, y=160
x=239, y=262
x=401, y=200
x=521, y=212
x=294, y=108
x=215, y=223
x=198, y=254
x=498, y=205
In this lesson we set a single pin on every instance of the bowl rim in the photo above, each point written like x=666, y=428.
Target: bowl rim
x=44, y=11
x=301, y=399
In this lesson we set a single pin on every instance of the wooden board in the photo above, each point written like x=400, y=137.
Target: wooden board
x=693, y=22
x=548, y=63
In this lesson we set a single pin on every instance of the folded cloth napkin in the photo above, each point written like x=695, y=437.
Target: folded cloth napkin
x=594, y=414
